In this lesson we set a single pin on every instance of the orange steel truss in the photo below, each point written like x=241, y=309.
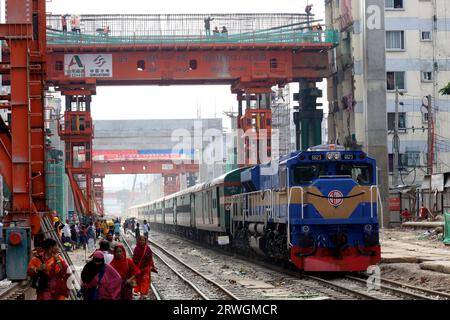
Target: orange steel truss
x=23, y=145
x=168, y=169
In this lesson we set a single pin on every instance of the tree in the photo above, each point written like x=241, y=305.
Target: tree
x=445, y=90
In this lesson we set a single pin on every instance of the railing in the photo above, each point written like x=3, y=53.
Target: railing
x=188, y=29
x=371, y=199
x=237, y=200
x=289, y=244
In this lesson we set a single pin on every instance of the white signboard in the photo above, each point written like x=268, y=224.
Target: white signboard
x=88, y=65
x=223, y=240
x=437, y=182
x=167, y=166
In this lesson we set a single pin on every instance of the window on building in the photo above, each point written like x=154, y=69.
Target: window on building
x=411, y=158
x=391, y=161
x=395, y=79
x=394, y=4
x=395, y=40
x=401, y=120
x=425, y=117
x=425, y=35
x=427, y=76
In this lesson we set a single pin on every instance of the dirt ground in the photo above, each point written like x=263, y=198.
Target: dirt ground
x=424, y=245
x=411, y=273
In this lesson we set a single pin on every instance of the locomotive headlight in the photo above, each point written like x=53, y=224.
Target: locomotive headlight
x=305, y=229
x=331, y=156
x=368, y=227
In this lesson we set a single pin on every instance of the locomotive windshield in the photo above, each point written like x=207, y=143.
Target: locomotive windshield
x=306, y=174
x=361, y=173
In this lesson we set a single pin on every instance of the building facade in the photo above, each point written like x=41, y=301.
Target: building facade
x=417, y=52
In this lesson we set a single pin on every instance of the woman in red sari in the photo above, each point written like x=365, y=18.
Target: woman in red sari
x=143, y=258
x=127, y=270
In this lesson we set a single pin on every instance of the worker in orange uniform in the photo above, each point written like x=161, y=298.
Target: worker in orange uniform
x=49, y=273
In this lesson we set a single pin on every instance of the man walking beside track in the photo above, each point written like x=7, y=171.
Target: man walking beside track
x=91, y=237
x=146, y=229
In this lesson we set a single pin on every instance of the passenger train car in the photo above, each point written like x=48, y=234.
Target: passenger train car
x=315, y=208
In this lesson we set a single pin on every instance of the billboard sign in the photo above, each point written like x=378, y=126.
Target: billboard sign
x=120, y=155
x=88, y=65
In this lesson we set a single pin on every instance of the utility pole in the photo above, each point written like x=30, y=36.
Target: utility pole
x=395, y=142
x=430, y=147
x=430, y=136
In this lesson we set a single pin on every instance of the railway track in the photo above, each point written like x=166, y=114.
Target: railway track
x=348, y=286
x=403, y=289
x=313, y=287
x=17, y=291
x=188, y=283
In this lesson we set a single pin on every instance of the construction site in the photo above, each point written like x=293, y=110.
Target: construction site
x=288, y=140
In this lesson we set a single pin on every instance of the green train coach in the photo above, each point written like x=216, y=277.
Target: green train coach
x=201, y=212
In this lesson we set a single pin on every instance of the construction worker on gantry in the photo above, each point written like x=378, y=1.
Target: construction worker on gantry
x=208, y=25
x=308, y=10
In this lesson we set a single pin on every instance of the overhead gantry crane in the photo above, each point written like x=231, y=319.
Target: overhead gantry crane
x=258, y=52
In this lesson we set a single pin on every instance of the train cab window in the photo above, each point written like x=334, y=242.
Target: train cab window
x=361, y=173
x=307, y=173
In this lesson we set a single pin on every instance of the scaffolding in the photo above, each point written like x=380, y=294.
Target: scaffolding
x=281, y=118
x=187, y=28
x=54, y=155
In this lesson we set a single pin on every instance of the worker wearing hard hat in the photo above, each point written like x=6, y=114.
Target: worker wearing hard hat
x=105, y=227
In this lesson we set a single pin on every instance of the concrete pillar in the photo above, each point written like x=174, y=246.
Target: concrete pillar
x=374, y=70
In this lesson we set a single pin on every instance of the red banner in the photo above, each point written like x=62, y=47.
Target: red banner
x=394, y=204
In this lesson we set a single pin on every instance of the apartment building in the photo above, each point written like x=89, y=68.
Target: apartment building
x=417, y=47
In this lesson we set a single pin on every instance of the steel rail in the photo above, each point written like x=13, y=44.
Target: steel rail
x=226, y=291
x=395, y=290
x=9, y=291
x=416, y=288
x=342, y=288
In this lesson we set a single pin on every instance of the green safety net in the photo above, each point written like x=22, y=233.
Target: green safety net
x=447, y=228
x=188, y=29
x=55, y=37
x=56, y=188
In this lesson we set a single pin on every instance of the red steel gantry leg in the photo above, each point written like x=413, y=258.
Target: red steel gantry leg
x=26, y=36
x=256, y=124
x=77, y=132
x=99, y=193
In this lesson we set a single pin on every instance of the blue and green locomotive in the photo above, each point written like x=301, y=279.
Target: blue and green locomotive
x=315, y=208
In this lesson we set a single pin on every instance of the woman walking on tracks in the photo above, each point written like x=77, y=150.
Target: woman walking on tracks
x=127, y=270
x=143, y=258
x=100, y=281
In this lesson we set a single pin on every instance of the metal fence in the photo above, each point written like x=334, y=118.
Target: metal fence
x=187, y=28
